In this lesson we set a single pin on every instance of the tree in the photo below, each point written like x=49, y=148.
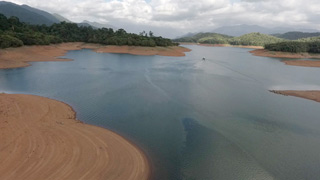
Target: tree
x=18, y=33
x=150, y=34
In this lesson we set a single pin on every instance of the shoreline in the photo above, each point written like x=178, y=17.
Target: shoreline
x=41, y=138
x=223, y=45
x=21, y=56
x=313, y=95
x=276, y=54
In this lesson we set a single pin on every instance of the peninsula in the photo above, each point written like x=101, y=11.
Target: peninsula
x=41, y=139
x=290, y=55
x=313, y=95
x=21, y=56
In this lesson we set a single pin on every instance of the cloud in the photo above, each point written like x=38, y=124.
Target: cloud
x=181, y=16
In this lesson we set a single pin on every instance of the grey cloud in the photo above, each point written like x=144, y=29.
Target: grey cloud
x=181, y=16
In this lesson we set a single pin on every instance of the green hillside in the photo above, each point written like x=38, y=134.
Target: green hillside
x=251, y=39
x=295, y=47
x=295, y=35
x=254, y=39
x=310, y=39
x=311, y=45
x=210, y=38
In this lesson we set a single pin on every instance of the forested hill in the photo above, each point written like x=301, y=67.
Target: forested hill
x=14, y=33
x=209, y=38
x=252, y=39
x=295, y=35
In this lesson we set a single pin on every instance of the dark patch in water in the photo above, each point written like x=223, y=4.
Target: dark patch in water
x=207, y=152
x=271, y=126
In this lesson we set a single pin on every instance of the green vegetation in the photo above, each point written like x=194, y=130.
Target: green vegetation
x=207, y=38
x=310, y=44
x=310, y=39
x=295, y=35
x=14, y=33
x=295, y=46
x=254, y=39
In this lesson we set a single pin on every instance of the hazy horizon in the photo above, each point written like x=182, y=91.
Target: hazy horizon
x=172, y=18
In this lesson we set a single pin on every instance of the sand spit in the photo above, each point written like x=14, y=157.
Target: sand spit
x=41, y=139
x=19, y=57
x=310, y=94
x=305, y=63
x=275, y=54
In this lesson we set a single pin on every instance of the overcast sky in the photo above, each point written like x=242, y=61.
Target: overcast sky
x=171, y=18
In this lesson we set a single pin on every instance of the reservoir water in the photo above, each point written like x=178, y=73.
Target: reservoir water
x=195, y=119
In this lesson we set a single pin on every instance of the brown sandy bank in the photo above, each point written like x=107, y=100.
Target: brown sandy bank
x=41, y=139
x=19, y=57
x=147, y=51
x=311, y=95
x=275, y=54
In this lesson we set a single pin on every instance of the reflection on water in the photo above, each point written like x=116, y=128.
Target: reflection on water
x=212, y=119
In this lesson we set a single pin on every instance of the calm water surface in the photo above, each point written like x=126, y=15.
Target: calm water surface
x=195, y=119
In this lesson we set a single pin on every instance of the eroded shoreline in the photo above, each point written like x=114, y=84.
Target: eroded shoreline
x=20, y=57
x=41, y=139
x=313, y=95
x=276, y=54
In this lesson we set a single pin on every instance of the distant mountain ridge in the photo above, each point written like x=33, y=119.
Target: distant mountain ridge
x=27, y=14
x=60, y=18
x=35, y=16
x=47, y=15
x=99, y=25
x=239, y=30
x=295, y=35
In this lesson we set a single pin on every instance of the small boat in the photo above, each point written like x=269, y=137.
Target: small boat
x=203, y=58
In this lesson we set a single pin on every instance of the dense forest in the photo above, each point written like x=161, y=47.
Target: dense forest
x=254, y=39
x=310, y=45
x=14, y=33
x=295, y=46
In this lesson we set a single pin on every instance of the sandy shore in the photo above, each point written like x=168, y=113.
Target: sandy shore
x=41, y=139
x=311, y=95
x=146, y=51
x=306, y=63
x=228, y=45
x=19, y=57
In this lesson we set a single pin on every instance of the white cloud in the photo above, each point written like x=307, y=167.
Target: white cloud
x=173, y=16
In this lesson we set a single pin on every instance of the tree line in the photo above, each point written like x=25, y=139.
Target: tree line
x=295, y=46
x=14, y=33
